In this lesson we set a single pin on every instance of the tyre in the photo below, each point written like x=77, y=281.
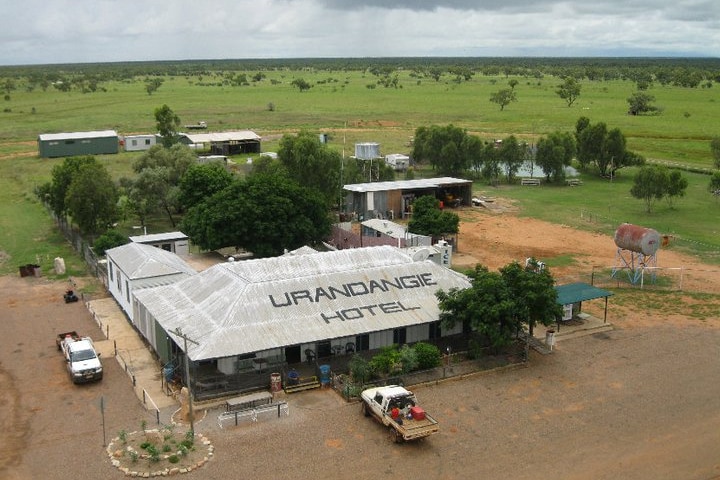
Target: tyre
x=394, y=435
x=365, y=410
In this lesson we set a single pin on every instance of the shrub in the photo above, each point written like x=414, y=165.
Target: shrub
x=386, y=361
x=428, y=356
x=173, y=459
x=408, y=359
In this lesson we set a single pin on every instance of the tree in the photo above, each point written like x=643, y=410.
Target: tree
x=264, y=214
x=428, y=219
x=301, y=84
x=157, y=184
x=504, y=97
x=201, y=181
x=153, y=84
x=533, y=289
x=512, y=155
x=714, y=185
x=650, y=184
x=641, y=103
x=449, y=149
x=168, y=124
x=513, y=83
x=62, y=176
x=607, y=149
x=554, y=153
x=92, y=199
x=487, y=306
x=715, y=150
x=312, y=164
x=110, y=239
x=676, y=187
x=569, y=90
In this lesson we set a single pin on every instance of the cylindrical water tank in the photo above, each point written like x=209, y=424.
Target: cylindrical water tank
x=367, y=151
x=637, y=239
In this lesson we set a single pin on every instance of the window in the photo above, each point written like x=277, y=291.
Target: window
x=147, y=141
x=133, y=142
x=434, y=331
x=127, y=290
x=110, y=270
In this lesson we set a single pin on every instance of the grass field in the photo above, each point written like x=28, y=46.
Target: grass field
x=341, y=104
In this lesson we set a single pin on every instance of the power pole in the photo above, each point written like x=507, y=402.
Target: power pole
x=187, y=339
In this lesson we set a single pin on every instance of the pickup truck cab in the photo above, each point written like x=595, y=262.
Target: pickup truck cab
x=398, y=409
x=83, y=362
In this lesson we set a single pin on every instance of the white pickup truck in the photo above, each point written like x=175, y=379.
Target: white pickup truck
x=397, y=408
x=83, y=362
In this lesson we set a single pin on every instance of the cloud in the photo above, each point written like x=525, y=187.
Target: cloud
x=124, y=30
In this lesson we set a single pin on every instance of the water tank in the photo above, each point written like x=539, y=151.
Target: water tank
x=367, y=151
x=637, y=239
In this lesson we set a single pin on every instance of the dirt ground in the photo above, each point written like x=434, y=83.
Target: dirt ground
x=640, y=401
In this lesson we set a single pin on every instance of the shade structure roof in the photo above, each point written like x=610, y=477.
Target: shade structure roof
x=579, y=292
x=249, y=306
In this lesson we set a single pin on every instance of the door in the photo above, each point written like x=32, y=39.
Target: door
x=292, y=354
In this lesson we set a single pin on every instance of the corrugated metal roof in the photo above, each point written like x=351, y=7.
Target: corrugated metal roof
x=158, y=237
x=579, y=292
x=77, y=135
x=255, y=305
x=391, y=229
x=138, y=261
x=222, y=136
x=405, y=184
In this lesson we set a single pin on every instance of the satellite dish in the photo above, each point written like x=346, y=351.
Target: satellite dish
x=421, y=255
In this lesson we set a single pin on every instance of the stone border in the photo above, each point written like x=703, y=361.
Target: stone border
x=168, y=471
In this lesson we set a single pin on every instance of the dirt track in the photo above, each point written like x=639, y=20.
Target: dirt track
x=638, y=402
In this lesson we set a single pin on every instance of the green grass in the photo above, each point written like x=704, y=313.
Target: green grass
x=341, y=105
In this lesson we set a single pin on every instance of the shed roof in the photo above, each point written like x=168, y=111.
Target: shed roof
x=579, y=292
x=241, y=135
x=405, y=184
x=158, y=237
x=391, y=229
x=255, y=305
x=138, y=261
x=46, y=137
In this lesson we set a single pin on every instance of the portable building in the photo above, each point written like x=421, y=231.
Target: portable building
x=52, y=145
x=137, y=143
x=398, y=161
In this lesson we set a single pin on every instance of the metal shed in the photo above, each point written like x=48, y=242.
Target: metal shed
x=52, y=145
x=225, y=143
x=394, y=199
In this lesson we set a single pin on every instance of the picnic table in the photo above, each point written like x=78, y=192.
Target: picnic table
x=248, y=401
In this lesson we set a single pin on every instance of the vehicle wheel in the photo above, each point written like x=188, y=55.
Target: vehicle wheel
x=394, y=435
x=365, y=409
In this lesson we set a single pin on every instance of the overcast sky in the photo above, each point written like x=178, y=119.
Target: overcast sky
x=76, y=31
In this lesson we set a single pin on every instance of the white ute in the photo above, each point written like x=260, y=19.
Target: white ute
x=397, y=408
x=83, y=362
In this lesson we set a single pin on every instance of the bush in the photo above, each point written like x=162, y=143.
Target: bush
x=387, y=361
x=428, y=356
x=408, y=359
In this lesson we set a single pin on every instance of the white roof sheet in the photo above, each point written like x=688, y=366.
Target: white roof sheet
x=405, y=184
x=77, y=135
x=158, y=237
x=391, y=229
x=139, y=261
x=222, y=136
x=255, y=305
